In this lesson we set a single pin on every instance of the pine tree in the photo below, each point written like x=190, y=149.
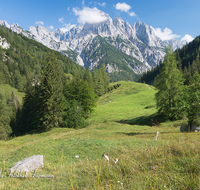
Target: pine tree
x=88, y=77
x=51, y=95
x=105, y=78
x=170, y=87
x=193, y=99
x=5, y=129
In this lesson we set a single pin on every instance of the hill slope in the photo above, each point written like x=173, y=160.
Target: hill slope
x=74, y=157
x=24, y=58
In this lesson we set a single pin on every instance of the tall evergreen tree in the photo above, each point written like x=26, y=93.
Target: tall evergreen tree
x=105, y=78
x=193, y=99
x=5, y=129
x=51, y=95
x=170, y=87
x=88, y=77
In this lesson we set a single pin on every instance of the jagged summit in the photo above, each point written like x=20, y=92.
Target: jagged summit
x=147, y=34
x=86, y=44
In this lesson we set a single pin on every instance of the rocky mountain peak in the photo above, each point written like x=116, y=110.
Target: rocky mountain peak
x=4, y=23
x=147, y=34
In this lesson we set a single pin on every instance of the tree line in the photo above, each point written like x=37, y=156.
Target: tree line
x=188, y=63
x=25, y=60
x=58, y=100
x=177, y=98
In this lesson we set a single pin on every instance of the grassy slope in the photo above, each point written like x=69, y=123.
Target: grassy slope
x=7, y=90
x=171, y=162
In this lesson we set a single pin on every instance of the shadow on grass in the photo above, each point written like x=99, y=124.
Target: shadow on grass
x=133, y=134
x=150, y=120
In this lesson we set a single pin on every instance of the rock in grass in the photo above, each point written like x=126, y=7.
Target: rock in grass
x=28, y=164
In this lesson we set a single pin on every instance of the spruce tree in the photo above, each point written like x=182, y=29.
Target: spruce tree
x=105, y=78
x=51, y=95
x=193, y=99
x=170, y=87
x=5, y=129
x=88, y=77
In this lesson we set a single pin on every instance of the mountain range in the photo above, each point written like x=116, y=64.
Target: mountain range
x=125, y=49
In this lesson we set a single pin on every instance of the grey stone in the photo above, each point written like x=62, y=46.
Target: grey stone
x=28, y=164
x=195, y=128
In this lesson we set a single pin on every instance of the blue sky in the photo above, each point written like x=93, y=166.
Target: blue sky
x=172, y=19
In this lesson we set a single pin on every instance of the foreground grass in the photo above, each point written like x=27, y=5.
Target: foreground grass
x=120, y=127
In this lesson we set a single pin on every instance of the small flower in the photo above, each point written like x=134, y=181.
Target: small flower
x=77, y=156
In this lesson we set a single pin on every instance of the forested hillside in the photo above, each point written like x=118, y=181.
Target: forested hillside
x=25, y=58
x=58, y=92
x=188, y=62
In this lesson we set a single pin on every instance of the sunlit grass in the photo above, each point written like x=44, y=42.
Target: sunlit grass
x=171, y=162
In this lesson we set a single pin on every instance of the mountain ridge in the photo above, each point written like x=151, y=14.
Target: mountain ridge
x=138, y=41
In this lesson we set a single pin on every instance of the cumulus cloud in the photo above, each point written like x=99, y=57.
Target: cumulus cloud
x=188, y=38
x=166, y=34
x=61, y=20
x=51, y=27
x=91, y=16
x=39, y=22
x=67, y=27
x=102, y=4
x=125, y=8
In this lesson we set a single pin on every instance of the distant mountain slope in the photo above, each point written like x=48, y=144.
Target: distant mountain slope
x=138, y=41
x=24, y=59
x=188, y=61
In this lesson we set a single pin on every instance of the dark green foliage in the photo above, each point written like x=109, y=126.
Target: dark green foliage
x=51, y=95
x=26, y=58
x=80, y=100
x=170, y=87
x=193, y=101
x=5, y=129
x=104, y=78
x=8, y=110
x=88, y=77
x=43, y=102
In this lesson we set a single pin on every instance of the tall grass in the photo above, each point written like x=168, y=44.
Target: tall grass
x=171, y=162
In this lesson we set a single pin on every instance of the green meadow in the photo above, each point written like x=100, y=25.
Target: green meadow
x=122, y=126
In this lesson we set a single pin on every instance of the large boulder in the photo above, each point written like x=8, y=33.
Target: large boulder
x=28, y=164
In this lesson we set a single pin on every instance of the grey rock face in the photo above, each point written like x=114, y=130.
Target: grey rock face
x=28, y=164
x=139, y=41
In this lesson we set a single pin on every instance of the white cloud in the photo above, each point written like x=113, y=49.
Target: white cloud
x=39, y=22
x=166, y=34
x=102, y=4
x=68, y=8
x=51, y=27
x=83, y=2
x=125, y=8
x=188, y=38
x=132, y=14
x=89, y=15
x=67, y=27
x=61, y=20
